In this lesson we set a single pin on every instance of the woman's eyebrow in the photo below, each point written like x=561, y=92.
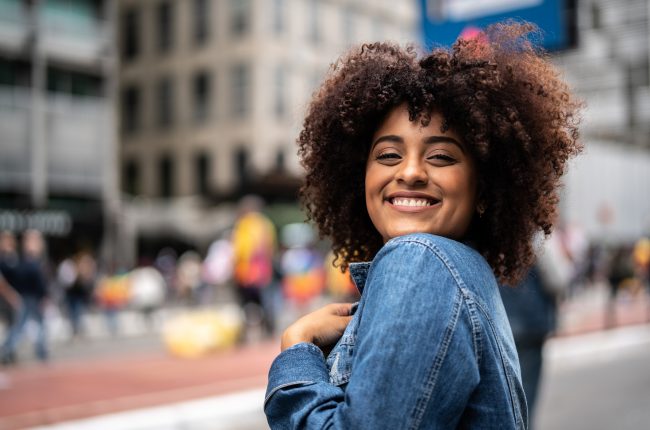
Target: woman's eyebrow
x=444, y=139
x=388, y=138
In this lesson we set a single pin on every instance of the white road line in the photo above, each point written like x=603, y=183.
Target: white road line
x=220, y=411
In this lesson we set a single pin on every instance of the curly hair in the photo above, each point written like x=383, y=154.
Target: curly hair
x=497, y=91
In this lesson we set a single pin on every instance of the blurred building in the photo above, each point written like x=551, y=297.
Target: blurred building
x=212, y=96
x=608, y=186
x=603, y=49
x=57, y=140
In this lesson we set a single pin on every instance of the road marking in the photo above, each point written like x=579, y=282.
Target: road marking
x=220, y=411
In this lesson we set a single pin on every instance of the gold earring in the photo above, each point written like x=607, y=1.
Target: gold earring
x=480, y=208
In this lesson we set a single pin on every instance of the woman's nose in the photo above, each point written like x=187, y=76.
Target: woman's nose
x=412, y=172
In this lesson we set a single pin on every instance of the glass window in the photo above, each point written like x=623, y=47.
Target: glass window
x=165, y=102
x=278, y=16
x=201, y=95
x=280, y=160
x=131, y=179
x=130, y=109
x=201, y=21
x=129, y=31
x=280, y=104
x=74, y=83
x=240, y=17
x=165, y=26
x=241, y=161
x=202, y=169
x=240, y=79
x=314, y=27
x=166, y=173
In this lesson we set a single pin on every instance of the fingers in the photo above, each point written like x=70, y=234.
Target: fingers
x=341, y=309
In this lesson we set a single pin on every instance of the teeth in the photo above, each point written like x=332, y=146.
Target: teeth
x=400, y=201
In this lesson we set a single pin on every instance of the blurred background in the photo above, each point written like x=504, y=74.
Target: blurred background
x=148, y=192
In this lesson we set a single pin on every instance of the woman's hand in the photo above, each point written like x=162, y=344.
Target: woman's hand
x=323, y=327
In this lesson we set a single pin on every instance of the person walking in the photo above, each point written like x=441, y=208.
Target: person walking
x=31, y=285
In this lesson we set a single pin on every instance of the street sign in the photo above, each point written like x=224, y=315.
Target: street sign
x=444, y=20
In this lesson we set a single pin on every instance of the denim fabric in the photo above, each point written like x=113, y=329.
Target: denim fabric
x=429, y=347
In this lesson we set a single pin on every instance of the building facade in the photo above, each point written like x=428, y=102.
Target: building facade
x=607, y=186
x=57, y=141
x=212, y=96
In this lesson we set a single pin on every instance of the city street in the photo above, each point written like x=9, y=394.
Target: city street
x=595, y=379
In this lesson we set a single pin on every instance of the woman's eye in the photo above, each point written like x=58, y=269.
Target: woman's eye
x=441, y=157
x=388, y=156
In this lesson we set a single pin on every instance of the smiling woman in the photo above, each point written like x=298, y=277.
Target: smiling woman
x=431, y=176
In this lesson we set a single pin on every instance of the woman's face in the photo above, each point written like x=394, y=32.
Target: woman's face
x=419, y=179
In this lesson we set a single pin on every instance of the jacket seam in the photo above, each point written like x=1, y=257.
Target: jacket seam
x=432, y=377
x=516, y=411
x=279, y=387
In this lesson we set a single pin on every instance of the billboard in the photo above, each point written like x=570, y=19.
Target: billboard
x=444, y=20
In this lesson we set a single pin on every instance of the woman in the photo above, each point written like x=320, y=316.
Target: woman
x=440, y=171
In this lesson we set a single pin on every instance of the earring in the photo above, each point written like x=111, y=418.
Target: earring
x=480, y=208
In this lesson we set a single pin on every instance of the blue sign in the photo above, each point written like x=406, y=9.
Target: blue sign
x=444, y=20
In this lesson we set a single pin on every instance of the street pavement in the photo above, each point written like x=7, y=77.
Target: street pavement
x=594, y=378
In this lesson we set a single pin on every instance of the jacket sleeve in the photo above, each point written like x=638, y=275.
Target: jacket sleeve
x=416, y=360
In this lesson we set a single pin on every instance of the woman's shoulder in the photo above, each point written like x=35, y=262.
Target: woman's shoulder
x=429, y=254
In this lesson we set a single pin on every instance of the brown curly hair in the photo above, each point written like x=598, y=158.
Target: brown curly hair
x=497, y=91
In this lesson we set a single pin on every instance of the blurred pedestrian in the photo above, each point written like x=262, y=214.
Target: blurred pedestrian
x=9, y=300
x=620, y=268
x=31, y=284
x=82, y=270
x=301, y=265
x=112, y=295
x=188, y=277
x=532, y=312
x=254, y=243
x=147, y=291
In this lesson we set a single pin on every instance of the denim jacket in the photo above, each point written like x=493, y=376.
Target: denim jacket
x=429, y=347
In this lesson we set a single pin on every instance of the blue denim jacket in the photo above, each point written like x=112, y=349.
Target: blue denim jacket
x=429, y=347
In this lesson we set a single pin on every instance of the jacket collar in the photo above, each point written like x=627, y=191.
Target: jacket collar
x=359, y=273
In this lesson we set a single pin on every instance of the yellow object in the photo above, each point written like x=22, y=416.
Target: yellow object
x=642, y=252
x=197, y=333
x=253, y=247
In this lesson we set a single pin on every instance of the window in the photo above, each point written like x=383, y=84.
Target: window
x=165, y=102
x=240, y=103
x=278, y=17
x=596, y=16
x=72, y=82
x=202, y=169
x=240, y=17
x=129, y=31
x=131, y=178
x=166, y=172
x=165, y=27
x=241, y=161
x=314, y=28
x=201, y=96
x=280, y=160
x=201, y=21
x=130, y=109
x=280, y=105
